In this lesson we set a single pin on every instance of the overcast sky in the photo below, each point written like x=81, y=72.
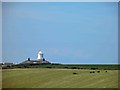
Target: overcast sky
x=82, y=33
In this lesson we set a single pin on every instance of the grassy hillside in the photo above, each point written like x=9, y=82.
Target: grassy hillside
x=59, y=78
x=67, y=66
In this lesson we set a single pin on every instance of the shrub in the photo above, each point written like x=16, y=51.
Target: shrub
x=73, y=68
x=49, y=67
x=65, y=67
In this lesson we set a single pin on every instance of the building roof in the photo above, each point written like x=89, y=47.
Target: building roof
x=35, y=62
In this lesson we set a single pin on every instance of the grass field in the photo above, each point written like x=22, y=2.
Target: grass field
x=59, y=78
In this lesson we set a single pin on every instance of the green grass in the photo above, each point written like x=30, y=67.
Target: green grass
x=58, y=78
x=68, y=66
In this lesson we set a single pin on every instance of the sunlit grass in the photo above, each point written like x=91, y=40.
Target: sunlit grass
x=59, y=78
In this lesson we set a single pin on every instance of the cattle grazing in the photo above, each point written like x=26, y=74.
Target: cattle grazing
x=92, y=72
x=74, y=73
x=98, y=71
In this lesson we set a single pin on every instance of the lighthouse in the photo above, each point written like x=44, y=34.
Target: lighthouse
x=40, y=55
x=40, y=60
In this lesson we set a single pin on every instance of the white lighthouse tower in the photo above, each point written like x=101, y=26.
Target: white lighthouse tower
x=40, y=55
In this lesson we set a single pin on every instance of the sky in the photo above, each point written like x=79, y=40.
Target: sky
x=66, y=32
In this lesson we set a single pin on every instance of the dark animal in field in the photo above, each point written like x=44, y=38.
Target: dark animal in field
x=98, y=71
x=74, y=73
x=92, y=72
x=105, y=71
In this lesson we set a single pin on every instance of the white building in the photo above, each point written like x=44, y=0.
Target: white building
x=40, y=55
x=40, y=60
